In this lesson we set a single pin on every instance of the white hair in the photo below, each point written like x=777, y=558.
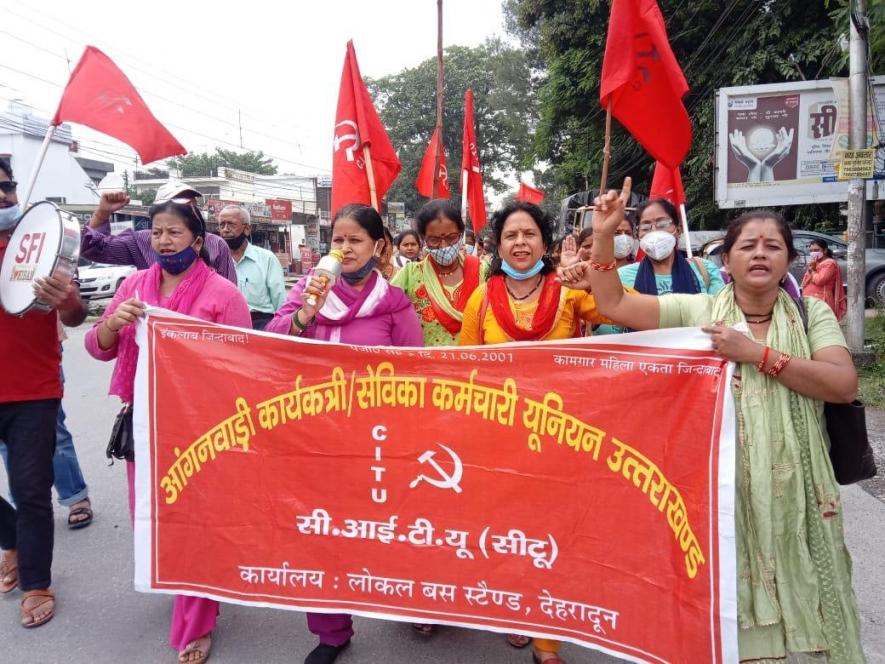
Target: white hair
x=244, y=213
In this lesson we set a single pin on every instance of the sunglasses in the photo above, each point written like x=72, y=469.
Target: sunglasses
x=8, y=186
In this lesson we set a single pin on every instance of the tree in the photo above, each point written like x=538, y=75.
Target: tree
x=204, y=164
x=718, y=43
x=505, y=113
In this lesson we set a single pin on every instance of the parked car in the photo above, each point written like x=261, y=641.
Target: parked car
x=100, y=280
x=875, y=261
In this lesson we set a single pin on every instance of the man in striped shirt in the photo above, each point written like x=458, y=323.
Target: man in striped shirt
x=133, y=247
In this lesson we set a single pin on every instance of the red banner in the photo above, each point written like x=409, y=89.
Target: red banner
x=280, y=210
x=571, y=490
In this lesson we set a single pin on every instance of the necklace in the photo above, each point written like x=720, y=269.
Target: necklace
x=527, y=295
x=763, y=318
x=442, y=273
x=759, y=320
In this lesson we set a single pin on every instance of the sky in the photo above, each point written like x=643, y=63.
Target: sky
x=205, y=68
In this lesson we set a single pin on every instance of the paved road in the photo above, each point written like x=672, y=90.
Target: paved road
x=101, y=619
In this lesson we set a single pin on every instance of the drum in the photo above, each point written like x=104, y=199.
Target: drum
x=45, y=242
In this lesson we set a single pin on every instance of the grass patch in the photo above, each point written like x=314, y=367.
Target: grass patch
x=872, y=377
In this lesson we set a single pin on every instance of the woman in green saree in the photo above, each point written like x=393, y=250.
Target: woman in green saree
x=795, y=599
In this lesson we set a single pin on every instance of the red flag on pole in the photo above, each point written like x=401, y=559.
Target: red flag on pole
x=424, y=183
x=358, y=134
x=100, y=96
x=471, y=175
x=529, y=194
x=643, y=81
x=667, y=183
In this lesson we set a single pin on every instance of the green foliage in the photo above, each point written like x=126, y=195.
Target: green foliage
x=503, y=80
x=872, y=377
x=719, y=43
x=204, y=164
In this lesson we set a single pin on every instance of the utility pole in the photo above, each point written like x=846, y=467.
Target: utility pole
x=439, y=94
x=240, y=122
x=857, y=239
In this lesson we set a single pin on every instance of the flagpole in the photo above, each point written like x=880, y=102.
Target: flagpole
x=370, y=174
x=607, y=150
x=684, y=216
x=464, y=180
x=439, y=95
x=37, y=166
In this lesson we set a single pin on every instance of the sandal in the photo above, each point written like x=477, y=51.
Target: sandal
x=8, y=570
x=192, y=647
x=423, y=630
x=518, y=640
x=28, y=619
x=76, y=524
x=552, y=660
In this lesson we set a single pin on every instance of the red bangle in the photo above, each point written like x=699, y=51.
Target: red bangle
x=780, y=365
x=761, y=366
x=603, y=267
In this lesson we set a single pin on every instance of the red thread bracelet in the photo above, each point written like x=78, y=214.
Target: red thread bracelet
x=780, y=365
x=603, y=267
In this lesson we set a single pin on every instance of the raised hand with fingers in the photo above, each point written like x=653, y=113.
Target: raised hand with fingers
x=569, y=254
x=610, y=209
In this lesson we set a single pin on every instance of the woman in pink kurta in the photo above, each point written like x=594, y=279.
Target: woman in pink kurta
x=180, y=281
x=360, y=308
x=823, y=279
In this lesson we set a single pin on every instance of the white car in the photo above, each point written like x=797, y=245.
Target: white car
x=99, y=280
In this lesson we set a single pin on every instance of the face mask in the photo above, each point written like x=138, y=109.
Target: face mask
x=513, y=273
x=658, y=245
x=623, y=246
x=445, y=256
x=9, y=217
x=236, y=242
x=362, y=273
x=816, y=255
x=177, y=263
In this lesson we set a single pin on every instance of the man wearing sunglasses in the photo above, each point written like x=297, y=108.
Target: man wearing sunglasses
x=133, y=247
x=30, y=396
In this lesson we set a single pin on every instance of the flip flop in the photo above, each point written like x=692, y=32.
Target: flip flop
x=553, y=660
x=423, y=630
x=8, y=568
x=202, y=655
x=81, y=523
x=29, y=612
x=518, y=640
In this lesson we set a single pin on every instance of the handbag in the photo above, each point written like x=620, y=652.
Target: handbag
x=122, y=445
x=850, y=451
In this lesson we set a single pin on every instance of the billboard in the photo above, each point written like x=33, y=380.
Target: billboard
x=781, y=144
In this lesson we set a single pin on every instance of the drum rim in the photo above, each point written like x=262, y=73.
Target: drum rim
x=58, y=211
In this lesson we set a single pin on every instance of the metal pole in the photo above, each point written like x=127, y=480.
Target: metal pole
x=857, y=90
x=35, y=171
x=439, y=95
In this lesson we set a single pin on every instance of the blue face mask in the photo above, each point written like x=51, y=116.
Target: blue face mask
x=9, y=217
x=177, y=263
x=362, y=273
x=513, y=273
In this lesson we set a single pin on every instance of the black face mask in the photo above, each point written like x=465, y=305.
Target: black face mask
x=236, y=242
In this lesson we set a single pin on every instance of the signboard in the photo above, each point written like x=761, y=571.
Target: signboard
x=857, y=164
x=781, y=144
x=470, y=486
x=280, y=210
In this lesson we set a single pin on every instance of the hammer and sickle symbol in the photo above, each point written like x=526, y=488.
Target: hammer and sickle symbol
x=446, y=481
x=353, y=138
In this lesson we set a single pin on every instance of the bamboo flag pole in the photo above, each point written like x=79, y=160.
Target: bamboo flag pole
x=607, y=150
x=439, y=95
x=370, y=174
x=35, y=171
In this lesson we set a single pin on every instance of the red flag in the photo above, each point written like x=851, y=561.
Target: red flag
x=100, y=96
x=643, y=81
x=476, y=204
x=667, y=183
x=357, y=125
x=424, y=183
x=529, y=194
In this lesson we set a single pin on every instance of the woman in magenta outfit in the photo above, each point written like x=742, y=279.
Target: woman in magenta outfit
x=360, y=308
x=181, y=281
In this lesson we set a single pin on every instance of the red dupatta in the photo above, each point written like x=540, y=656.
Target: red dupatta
x=545, y=314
